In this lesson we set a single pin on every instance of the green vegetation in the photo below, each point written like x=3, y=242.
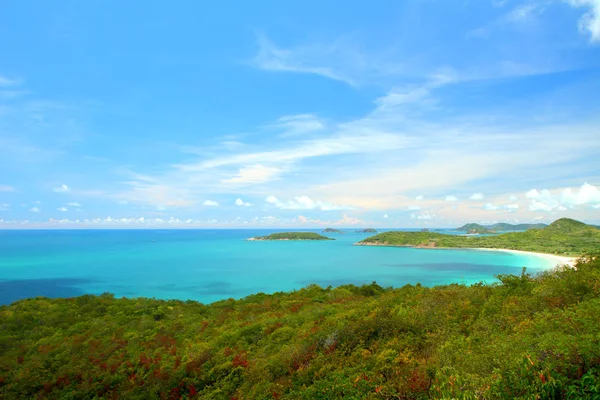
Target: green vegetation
x=331, y=230
x=564, y=236
x=293, y=236
x=368, y=230
x=504, y=227
x=475, y=228
x=499, y=227
x=524, y=337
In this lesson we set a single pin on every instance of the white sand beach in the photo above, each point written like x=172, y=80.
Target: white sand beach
x=553, y=260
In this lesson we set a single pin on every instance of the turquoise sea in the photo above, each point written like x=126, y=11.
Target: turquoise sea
x=210, y=265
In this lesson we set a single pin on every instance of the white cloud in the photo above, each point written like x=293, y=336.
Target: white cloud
x=419, y=197
x=63, y=209
x=422, y=216
x=414, y=208
x=537, y=205
x=490, y=207
x=477, y=196
x=6, y=188
x=4, y=207
x=385, y=216
x=451, y=198
x=507, y=207
x=513, y=198
x=34, y=209
x=304, y=203
x=590, y=21
x=210, y=203
x=73, y=204
x=241, y=203
x=255, y=174
x=61, y=189
x=588, y=194
x=512, y=207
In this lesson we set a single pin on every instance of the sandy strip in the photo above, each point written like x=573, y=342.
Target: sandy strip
x=553, y=260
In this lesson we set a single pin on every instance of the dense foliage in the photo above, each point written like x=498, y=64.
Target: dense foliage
x=293, y=236
x=564, y=236
x=524, y=337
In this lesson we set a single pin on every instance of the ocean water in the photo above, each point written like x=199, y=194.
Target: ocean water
x=211, y=265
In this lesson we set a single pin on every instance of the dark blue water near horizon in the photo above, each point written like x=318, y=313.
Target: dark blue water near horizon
x=214, y=264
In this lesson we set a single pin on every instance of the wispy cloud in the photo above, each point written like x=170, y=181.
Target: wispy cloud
x=62, y=209
x=255, y=174
x=35, y=209
x=210, y=203
x=73, y=204
x=522, y=12
x=304, y=59
x=6, y=188
x=300, y=124
x=341, y=59
x=62, y=189
x=4, y=81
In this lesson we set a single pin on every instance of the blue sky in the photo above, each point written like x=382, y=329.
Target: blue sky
x=267, y=114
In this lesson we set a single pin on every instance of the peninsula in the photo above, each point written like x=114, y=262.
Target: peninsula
x=565, y=237
x=292, y=236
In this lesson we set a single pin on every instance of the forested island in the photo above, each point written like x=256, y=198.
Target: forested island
x=523, y=337
x=332, y=230
x=292, y=236
x=564, y=236
x=368, y=230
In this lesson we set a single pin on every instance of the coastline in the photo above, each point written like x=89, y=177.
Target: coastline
x=552, y=259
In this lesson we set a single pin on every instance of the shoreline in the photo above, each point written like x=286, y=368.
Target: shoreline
x=553, y=260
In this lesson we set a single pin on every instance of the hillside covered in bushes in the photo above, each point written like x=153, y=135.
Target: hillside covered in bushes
x=523, y=337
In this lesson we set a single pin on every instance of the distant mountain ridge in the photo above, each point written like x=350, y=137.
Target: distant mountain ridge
x=501, y=226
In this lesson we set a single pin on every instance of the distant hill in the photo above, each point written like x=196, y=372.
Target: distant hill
x=499, y=227
x=292, y=236
x=564, y=236
x=475, y=228
x=368, y=230
x=331, y=230
x=504, y=227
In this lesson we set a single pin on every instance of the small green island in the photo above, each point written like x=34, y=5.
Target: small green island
x=291, y=236
x=332, y=230
x=564, y=237
x=367, y=230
